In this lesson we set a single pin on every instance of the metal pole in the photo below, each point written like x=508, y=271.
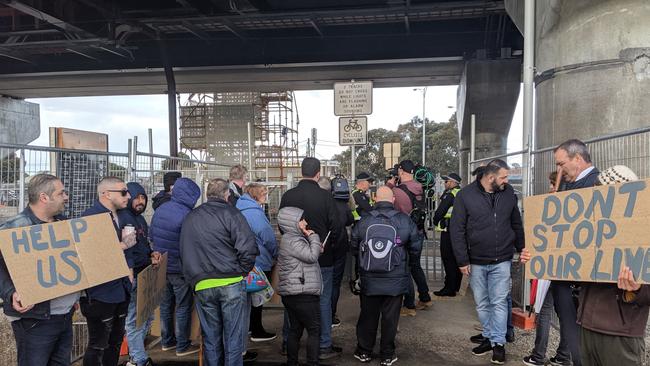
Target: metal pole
x=529, y=73
x=353, y=163
x=472, y=147
x=250, y=151
x=135, y=159
x=151, y=183
x=129, y=164
x=424, y=126
x=21, y=199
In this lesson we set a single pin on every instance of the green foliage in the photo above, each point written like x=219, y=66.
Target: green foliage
x=10, y=169
x=441, y=147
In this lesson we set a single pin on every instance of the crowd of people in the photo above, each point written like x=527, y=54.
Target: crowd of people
x=213, y=248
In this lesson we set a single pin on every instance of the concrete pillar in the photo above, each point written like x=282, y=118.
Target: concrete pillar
x=489, y=89
x=593, y=69
x=20, y=122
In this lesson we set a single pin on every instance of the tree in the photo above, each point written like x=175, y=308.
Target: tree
x=441, y=147
x=10, y=168
x=174, y=164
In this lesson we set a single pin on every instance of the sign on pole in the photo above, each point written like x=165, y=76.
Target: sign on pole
x=353, y=131
x=392, y=152
x=353, y=99
x=587, y=235
x=55, y=259
x=151, y=283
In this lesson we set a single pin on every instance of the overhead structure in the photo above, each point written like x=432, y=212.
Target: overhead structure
x=216, y=127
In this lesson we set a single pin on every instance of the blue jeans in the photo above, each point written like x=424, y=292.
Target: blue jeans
x=178, y=296
x=43, y=342
x=337, y=279
x=135, y=336
x=511, y=328
x=246, y=319
x=490, y=285
x=221, y=313
x=326, y=307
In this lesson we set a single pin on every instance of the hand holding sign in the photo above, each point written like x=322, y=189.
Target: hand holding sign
x=17, y=304
x=626, y=280
x=524, y=256
x=466, y=270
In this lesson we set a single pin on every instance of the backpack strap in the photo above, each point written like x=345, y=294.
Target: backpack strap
x=410, y=194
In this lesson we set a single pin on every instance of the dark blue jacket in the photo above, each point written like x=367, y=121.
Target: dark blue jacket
x=138, y=257
x=395, y=282
x=115, y=291
x=264, y=234
x=216, y=242
x=165, y=230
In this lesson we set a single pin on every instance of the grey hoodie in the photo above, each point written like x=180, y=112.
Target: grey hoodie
x=299, y=271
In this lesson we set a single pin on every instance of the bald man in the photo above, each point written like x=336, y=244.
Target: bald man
x=383, y=281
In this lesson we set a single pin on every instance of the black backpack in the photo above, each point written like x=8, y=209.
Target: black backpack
x=418, y=213
x=381, y=250
x=340, y=188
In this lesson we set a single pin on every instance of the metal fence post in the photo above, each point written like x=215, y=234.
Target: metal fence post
x=151, y=182
x=135, y=159
x=21, y=200
x=129, y=166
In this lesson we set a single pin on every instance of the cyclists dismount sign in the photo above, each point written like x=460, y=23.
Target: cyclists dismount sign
x=353, y=131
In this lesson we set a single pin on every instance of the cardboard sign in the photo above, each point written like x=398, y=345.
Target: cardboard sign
x=589, y=234
x=55, y=259
x=151, y=289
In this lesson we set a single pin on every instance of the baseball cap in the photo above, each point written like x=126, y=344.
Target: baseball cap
x=407, y=166
x=452, y=176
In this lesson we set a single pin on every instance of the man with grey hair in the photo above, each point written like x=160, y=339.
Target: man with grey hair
x=325, y=183
x=218, y=249
x=43, y=332
x=237, y=180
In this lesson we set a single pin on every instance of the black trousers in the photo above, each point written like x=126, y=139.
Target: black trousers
x=453, y=276
x=304, y=313
x=566, y=310
x=372, y=307
x=255, y=326
x=105, y=331
x=45, y=342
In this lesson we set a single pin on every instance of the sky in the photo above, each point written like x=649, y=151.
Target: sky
x=122, y=117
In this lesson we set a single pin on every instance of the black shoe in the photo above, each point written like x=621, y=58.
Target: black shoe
x=556, y=362
x=362, y=356
x=250, y=356
x=478, y=339
x=444, y=292
x=188, y=351
x=328, y=353
x=337, y=349
x=530, y=361
x=482, y=348
x=263, y=337
x=335, y=322
x=498, y=354
x=388, y=361
x=510, y=336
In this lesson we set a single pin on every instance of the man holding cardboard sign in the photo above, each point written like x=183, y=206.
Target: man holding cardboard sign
x=43, y=331
x=105, y=306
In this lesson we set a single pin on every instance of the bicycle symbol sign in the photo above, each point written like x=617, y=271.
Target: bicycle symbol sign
x=353, y=131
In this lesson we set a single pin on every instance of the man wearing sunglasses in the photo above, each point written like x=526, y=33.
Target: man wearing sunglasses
x=105, y=306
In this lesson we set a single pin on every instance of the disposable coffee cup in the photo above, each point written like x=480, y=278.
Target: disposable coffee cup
x=128, y=229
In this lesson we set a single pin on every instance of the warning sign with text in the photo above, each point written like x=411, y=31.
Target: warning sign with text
x=353, y=99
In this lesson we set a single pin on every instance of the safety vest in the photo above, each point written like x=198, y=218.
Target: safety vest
x=355, y=214
x=454, y=192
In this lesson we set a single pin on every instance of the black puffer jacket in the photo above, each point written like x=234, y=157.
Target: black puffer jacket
x=485, y=228
x=216, y=242
x=395, y=282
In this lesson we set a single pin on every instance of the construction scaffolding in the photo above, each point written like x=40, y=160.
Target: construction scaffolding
x=224, y=127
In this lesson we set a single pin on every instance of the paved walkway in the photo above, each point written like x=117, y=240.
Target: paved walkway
x=438, y=336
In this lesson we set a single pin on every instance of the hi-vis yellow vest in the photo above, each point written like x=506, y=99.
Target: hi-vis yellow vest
x=454, y=192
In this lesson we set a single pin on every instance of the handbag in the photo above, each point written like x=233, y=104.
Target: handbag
x=256, y=280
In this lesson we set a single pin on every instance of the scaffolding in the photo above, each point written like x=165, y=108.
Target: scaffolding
x=216, y=127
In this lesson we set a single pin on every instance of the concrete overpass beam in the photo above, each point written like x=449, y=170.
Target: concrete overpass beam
x=488, y=89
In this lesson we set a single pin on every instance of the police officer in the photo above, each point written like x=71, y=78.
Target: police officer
x=441, y=220
x=363, y=204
